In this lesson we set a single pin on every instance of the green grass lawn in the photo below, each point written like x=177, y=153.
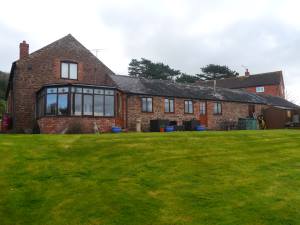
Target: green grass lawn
x=236, y=178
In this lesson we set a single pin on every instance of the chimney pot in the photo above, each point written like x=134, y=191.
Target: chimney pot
x=247, y=73
x=24, y=50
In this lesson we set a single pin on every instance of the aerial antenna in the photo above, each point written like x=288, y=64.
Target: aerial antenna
x=97, y=50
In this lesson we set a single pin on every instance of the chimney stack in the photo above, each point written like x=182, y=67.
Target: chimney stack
x=247, y=73
x=24, y=50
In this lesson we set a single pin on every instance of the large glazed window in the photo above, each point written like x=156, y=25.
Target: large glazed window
x=76, y=101
x=188, y=106
x=69, y=70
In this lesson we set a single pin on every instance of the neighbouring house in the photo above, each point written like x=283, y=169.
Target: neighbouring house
x=64, y=85
x=271, y=83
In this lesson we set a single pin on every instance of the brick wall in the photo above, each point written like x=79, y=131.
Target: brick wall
x=230, y=111
x=51, y=125
x=275, y=90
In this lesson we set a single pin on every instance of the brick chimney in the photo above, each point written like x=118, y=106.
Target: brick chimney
x=24, y=50
x=247, y=73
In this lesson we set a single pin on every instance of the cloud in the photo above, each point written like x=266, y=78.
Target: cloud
x=261, y=34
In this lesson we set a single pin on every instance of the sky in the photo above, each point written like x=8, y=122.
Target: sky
x=262, y=35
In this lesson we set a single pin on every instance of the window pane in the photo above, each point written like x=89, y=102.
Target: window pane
x=99, y=91
x=186, y=106
x=63, y=90
x=149, y=104
x=167, y=105
x=77, y=104
x=172, y=105
x=88, y=105
x=62, y=104
x=51, y=90
x=191, y=107
x=144, y=104
x=41, y=106
x=64, y=70
x=98, y=105
x=109, y=105
x=109, y=92
x=88, y=90
x=73, y=71
x=51, y=104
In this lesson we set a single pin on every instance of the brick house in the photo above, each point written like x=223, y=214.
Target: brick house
x=271, y=83
x=64, y=84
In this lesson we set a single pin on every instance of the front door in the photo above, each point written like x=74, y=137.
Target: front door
x=203, y=113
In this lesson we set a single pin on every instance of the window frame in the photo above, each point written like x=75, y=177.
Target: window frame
x=260, y=89
x=188, y=112
x=147, y=98
x=219, y=109
x=169, y=105
x=68, y=62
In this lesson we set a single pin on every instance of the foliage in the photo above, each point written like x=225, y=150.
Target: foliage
x=150, y=70
x=215, y=72
x=2, y=107
x=241, y=177
x=185, y=78
x=3, y=84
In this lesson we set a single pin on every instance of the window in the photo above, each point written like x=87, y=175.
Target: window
x=188, y=106
x=202, y=108
x=69, y=70
x=169, y=105
x=51, y=101
x=146, y=104
x=76, y=101
x=99, y=105
x=87, y=101
x=62, y=101
x=260, y=89
x=218, y=108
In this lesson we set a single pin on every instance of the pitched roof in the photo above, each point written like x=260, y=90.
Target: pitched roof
x=67, y=42
x=171, y=89
x=255, y=80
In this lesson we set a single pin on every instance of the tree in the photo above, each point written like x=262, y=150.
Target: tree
x=150, y=70
x=185, y=78
x=215, y=72
x=3, y=84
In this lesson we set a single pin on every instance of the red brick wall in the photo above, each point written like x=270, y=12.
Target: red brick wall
x=275, y=90
x=230, y=111
x=50, y=125
x=43, y=67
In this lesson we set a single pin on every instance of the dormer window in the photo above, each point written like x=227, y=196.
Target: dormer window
x=69, y=70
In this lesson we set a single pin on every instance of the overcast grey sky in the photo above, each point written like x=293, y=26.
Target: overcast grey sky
x=264, y=35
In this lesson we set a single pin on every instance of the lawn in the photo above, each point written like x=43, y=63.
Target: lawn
x=243, y=177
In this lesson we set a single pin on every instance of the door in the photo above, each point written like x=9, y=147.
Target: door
x=203, y=113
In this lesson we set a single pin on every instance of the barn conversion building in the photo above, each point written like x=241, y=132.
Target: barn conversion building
x=64, y=84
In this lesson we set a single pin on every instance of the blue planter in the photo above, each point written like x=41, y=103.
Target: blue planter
x=200, y=128
x=116, y=129
x=169, y=129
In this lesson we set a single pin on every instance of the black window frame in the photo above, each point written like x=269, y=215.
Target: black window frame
x=42, y=94
x=169, y=105
x=192, y=103
x=147, y=111
x=219, y=108
x=69, y=63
